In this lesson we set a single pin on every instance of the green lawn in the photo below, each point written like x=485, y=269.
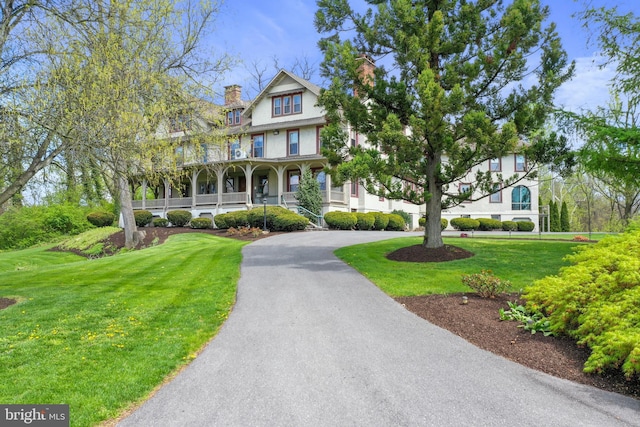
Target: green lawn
x=102, y=334
x=519, y=261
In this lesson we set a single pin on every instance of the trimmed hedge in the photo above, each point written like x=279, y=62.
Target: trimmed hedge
x=509, y=226
x=365, y=221
x=201, y=223
x=143, y=218
x=160, y=222
x=396, y=223
x=381, y=222
x=179, y=218
x=289, y=222
x=525, y=225
x=488, y=224
x=465, y=224
x=341, y=220
x=255, y=216
x=422, y=222
x=101, y=218
x=405, y=215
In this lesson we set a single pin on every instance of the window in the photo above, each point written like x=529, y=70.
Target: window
x=354, y=188
x=465, y=190
x=234, y=117
x=293, y=137
x=258, y=145
x=234, y=147
x=497, y=217
x=294, y=181
x=286, y=104
x=277, y=106
x=230, y=118
x=205, y=152
x=321, y=177
x=179, y=155
x=179, y=123
x=520, y=163
x=496, y=195
x=237, y=116
x=521, y=198
x=495, y=165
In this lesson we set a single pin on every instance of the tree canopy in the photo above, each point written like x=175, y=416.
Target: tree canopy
x=455, y=83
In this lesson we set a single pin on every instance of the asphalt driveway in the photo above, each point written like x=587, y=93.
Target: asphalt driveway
x=311, y=342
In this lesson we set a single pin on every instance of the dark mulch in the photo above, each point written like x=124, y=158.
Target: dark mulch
x=418, y=253
x=6, y=302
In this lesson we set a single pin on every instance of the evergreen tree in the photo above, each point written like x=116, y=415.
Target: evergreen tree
x=309, y=195
x=447, y=95
x=554, y=217
x=564, y=218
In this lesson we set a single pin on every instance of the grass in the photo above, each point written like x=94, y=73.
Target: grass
x=540, y=236
x=519, y=261
x=100, y=335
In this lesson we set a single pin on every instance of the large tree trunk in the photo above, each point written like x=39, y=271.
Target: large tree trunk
x=432, y=229
x=132, y=237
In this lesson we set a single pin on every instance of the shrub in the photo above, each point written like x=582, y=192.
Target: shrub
x=509, y=226
x=486, y=284
x=406, y=217
x=365, y=221
x=290, y=222
x=201, y=223
x=101, y=218
x=179, y=218
x=160, y=222
x=381, y=221
x=396, y=223
x=488, y=224
x=220, y=220
x=525, y=225
x=422, y=222
x=255, y=217
x=143, y=218
x=595, y=301
x=309, y=195
x=237, y=219
x=465, y=224
x=341, y=220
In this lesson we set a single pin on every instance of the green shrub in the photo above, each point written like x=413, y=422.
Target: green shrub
x=396, y=223
x=101, y=218
x=201, y=223
x=179, y=218
x=509, y=226
x=381, y=222
x=160, y=222
x=143, y=218
x=255, y=217
x=465, y=224
x=595, y=300
x=289, y=222
x=488, y=224
x=525, y=225
x=341, y=220
x=422, y=222
x=365, y=221
x=486, y=284
x=406, y=217
x=220, y=221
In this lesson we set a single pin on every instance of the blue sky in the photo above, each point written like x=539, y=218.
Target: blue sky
x=258, y=30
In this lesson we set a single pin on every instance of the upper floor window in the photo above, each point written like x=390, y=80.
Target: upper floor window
x=495, y=165
x=465, y=190
x=234, y=117
x=496, y=195
x=520, y=163
x=293, y=146
x=179, y=123
x=521, y=198
x=258, y=145
x=286, y=104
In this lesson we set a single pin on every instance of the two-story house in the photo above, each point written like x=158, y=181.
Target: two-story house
x=272, y=139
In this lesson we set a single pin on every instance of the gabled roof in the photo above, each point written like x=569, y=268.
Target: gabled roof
x=282, y=74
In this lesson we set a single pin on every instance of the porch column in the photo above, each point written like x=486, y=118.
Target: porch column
x=327, y=187
x=144, y=194
x=281, y=181
x=167, y=194
x=220, y=178
x=194, y=189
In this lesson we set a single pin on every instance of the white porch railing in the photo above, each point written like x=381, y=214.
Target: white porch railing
x=234, y=197
x=337, y=196
x=181, y=202
x=206, y=199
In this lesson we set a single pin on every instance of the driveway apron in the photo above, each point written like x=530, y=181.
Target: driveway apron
x=311, y=342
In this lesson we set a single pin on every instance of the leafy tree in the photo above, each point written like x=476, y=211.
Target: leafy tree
x=564, y=218
x=447, y=94
x=554, y=217
x=309, y=195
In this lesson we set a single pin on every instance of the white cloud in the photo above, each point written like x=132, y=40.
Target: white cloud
x=589, y=88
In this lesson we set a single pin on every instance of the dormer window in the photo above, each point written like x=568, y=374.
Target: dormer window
x=234, y=117
x=286, y=104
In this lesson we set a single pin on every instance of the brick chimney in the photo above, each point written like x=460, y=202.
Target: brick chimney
x=232, y=94
x=365, y=71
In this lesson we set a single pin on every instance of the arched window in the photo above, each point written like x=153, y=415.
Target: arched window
x=521, y=198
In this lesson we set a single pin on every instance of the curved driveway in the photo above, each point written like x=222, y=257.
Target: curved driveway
x=311, y=342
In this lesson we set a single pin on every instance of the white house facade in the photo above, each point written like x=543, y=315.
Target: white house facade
x=272, y=139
